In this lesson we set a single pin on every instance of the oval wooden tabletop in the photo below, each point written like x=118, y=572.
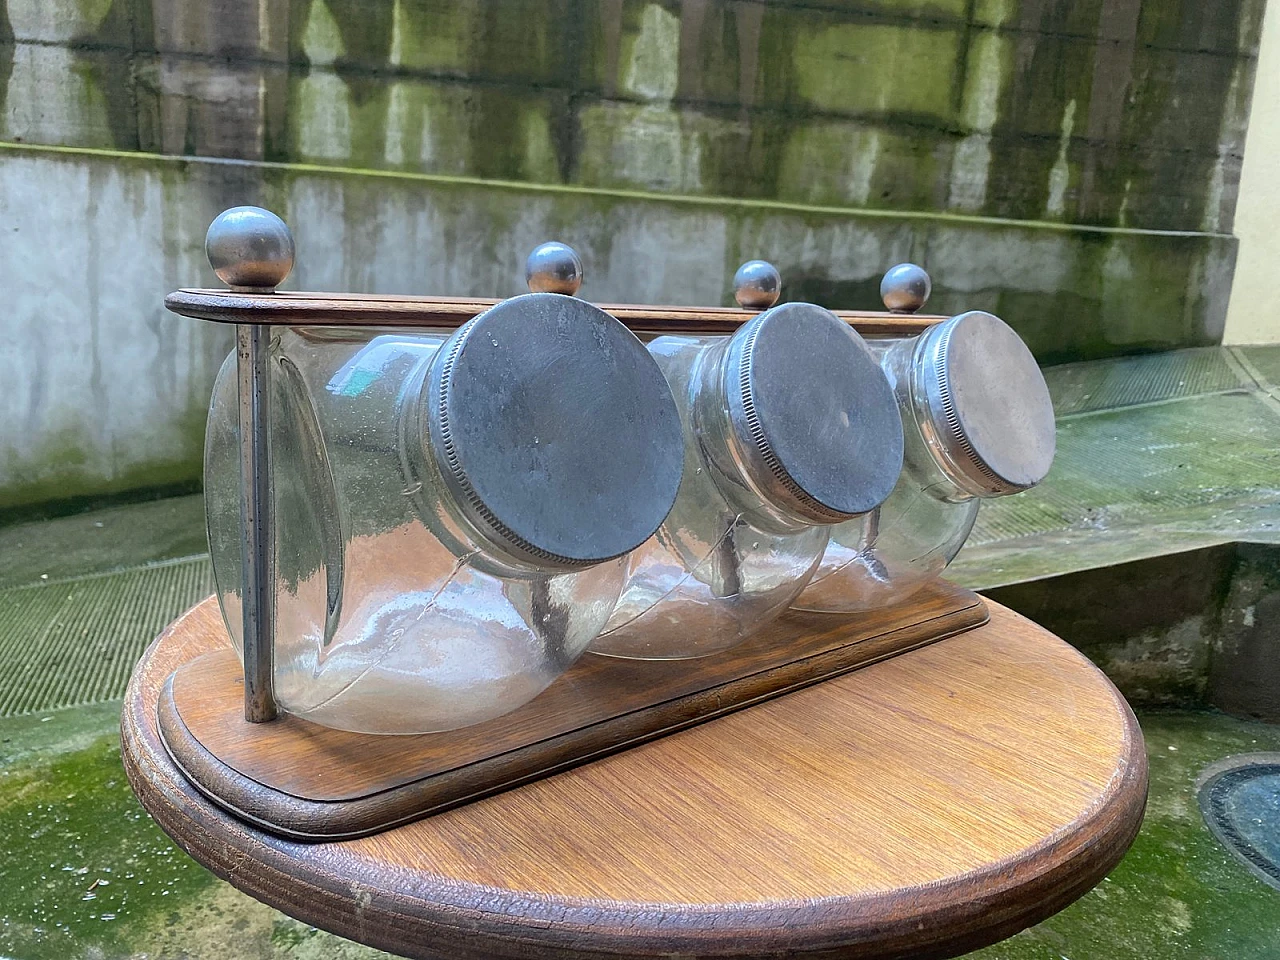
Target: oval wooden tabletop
x=920, y=807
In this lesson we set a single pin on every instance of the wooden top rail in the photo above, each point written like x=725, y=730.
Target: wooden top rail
x=360, y=310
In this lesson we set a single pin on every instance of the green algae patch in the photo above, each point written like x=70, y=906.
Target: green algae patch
x=86, y=874
x=1159, y=91
x=865, y=68
x=85, y=869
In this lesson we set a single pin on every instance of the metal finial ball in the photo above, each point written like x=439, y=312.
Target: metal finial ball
x=553, y=268
x=249, y=248
x=905, y=288
x=757, y=285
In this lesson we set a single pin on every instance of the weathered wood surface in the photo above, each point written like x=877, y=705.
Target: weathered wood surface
x=307, y=781
x=920, y=807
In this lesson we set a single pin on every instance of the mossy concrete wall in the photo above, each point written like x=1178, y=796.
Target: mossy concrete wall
x=1072, y=166
x=1106, y=112
x=1198, y=628
x=107, y=391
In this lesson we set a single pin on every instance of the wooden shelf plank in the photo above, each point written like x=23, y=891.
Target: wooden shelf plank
x=361, y=310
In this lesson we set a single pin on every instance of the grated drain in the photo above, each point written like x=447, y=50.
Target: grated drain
x=74, y=642
x=1240, y=800
x=1129, y=381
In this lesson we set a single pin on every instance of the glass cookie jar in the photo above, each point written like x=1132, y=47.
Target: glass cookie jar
x=979, y=424
x=453, y=511
x=790, y=426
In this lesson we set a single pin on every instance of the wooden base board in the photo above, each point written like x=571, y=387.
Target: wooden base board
x=307, y=782
x=921, y=808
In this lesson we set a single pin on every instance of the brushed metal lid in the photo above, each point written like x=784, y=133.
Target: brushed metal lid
x=814, y=413
x=555, y=431
x=986, y=402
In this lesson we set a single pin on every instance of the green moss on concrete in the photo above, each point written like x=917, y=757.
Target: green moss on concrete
x=645, y=146
x=1178, y=895
x=982, y=87
x=427, y=128
x=84, y=868
x=353, y=104
x=101, y=540
x=1265, y=364
x=925, y=9
x=88, y=876
x=61, y=470
x=7, y=50
x=873, y=68
x=1245, y=679
x=433, y=35
x=106, y=19
x=836, y=161
x=107, y=78
x=1151, y=624
x=649, y=51
x=994, y=13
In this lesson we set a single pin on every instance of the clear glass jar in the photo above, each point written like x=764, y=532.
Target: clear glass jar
x=790, y=426
x=452, y=511
x=979, y=423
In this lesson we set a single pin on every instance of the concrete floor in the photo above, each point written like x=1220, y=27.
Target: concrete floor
x=1157, y=455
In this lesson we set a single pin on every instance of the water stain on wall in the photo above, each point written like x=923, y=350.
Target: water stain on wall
x=951, y=106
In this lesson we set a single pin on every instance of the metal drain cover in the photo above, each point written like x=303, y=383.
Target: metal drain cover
x=1240, y=800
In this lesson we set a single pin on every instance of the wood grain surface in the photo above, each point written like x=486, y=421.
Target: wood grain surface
x=307, y=781
x=358, y=310
x=920, y=807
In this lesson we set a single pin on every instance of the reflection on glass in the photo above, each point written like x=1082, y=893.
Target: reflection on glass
x=978, y=423
x=393, y=614
x=725, y=562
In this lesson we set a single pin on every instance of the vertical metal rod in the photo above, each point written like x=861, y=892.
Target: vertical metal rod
x=257, y=546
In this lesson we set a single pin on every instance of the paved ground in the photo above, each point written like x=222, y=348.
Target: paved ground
x=1156, y=454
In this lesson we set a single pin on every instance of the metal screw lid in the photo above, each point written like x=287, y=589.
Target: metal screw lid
x=555, y=431
x=814, y=413
x=986, y=404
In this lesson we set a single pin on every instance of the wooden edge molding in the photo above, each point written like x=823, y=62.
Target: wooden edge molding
x=357, y=310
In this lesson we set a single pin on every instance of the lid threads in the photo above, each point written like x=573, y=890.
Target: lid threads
x=988, y=408
x=755, y=430
x=543, y=477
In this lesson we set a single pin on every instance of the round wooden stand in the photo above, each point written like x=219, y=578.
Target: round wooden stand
x=920, y=807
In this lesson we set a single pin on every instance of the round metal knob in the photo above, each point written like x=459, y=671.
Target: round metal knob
x=905, y=288
x=757, y=285
x=553, y=268
x=249, y=248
